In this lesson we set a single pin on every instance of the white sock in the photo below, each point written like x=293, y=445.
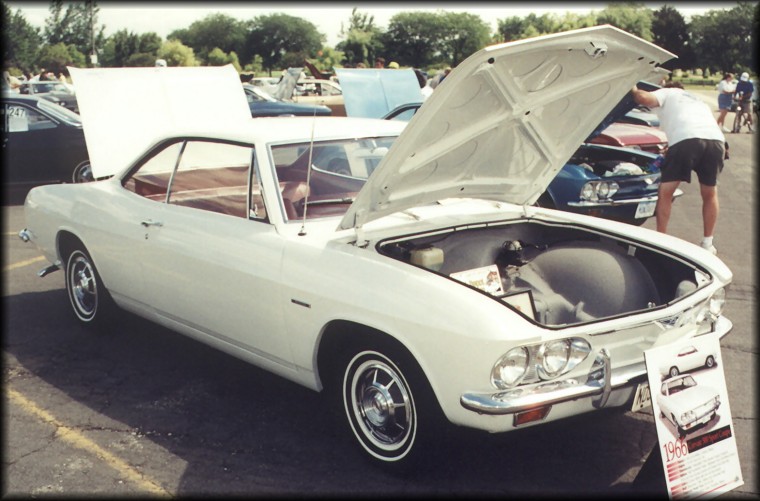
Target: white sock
x=707, y=241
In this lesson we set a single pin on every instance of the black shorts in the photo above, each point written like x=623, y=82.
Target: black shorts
x=703, y=156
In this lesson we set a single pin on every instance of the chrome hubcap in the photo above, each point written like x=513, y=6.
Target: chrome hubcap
x=83, y=286
x=382, y=405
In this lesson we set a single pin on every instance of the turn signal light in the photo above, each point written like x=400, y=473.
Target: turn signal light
x=532, y=415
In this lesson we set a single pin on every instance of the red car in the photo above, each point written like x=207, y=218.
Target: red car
x=640, y=137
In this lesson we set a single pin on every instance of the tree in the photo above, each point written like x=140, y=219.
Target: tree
x=632, y=17
x=217, y=57
x=126, y=48
x=56, y=57
x=274, y=35
x=722, y=39
x=21, y=41
x=669, y=31
x=362, y=39
x=413, y=39
x=76, y=26
x=214, y=31
x=177, y=54
x=462, y=34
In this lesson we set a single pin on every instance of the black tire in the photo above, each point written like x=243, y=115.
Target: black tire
x=82, y=173
x=389, y=405
x=673, y=372
x=90, y=301
x=737, y=122
x=710, y=362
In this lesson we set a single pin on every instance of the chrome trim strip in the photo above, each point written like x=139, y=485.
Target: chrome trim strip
x=50, y=269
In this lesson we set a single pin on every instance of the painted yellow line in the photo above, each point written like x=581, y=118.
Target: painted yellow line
x=21, y=264
x=79, y=441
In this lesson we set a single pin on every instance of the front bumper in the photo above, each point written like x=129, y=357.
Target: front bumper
x=587, y=204
x=599, y=384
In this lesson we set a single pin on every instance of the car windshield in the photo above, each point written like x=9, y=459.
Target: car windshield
x=255, y=94
x=681, y=384
x=339, y=170
x=50, y=87
x=59, y=112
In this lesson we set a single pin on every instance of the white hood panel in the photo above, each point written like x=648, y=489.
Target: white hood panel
x=505, y=121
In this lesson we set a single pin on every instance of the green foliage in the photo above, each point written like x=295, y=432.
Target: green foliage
x=275, y=35
x=56, y=57
x=723, y=38
x=217, y=57
x=21, y=41
x=125, y=48
x=177, y=54
x=632, y=17
x=214, y=31
x=462, y=34
x=77, y=25
x=327, y=59
x=670, y=31
x=362, y=40
x=413, y=39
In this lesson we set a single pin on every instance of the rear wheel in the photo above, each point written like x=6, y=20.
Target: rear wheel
x=90, y=301
x=82, y=173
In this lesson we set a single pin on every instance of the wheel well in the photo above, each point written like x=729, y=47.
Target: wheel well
x=340, y=335
x=67, y=242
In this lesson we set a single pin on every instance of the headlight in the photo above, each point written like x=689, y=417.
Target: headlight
x=510, y=368
x=588, y=192
x=687, y=416
x=595, y=190
x=606, y=189
x=560, y=356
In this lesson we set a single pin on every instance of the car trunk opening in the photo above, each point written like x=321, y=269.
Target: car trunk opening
x=557, y=274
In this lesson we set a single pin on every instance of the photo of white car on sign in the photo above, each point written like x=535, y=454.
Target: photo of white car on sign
x=688, y=359
x=686, y=404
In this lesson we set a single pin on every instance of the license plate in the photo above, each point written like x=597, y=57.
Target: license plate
x=642, y=399
x=645, y=209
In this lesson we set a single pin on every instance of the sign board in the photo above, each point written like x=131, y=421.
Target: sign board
x=693, y=418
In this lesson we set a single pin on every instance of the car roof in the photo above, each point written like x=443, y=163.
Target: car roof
x=30, y=99
x=294, y=129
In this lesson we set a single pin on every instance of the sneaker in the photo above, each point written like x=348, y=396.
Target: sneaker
x=711, y=249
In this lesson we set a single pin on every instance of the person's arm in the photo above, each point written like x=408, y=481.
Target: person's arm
x=646, y=98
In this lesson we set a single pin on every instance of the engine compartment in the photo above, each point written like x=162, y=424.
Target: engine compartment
x=557, y=275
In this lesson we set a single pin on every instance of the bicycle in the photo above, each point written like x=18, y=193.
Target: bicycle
x=743, y=116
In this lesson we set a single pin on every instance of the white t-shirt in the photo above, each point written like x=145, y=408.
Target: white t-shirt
x=685, y=116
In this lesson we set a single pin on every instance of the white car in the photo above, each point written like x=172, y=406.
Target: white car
x=416, y=283
x=686, y=404
x=687, y=359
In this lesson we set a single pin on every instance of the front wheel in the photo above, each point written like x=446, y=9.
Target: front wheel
x=674, y=371
x=90, y=301
x=389, y=405
x=82, y=173
x=710, y=362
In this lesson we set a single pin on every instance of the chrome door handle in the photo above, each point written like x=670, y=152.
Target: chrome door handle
x=150, y=222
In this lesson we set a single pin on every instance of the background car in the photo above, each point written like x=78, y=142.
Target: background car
x=630, y=135
x=57, y=92
x=264, y=105
x=42, y=142
x=686, y=404
x=688, y=359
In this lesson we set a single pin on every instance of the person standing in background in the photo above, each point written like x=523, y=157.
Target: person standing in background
x=726, y=88
x=744, y=91
x=696, y=144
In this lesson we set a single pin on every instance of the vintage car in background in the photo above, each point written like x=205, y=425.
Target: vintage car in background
x=603, y=181
x=417, y=288
x=42, y=142
x=688, y=359
x=686, y=404
x=57, y=92
x=264, y=105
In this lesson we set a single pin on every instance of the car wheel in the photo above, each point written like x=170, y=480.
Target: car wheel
x=710, y=362
x=673, y=372
x=388, y=404
x=82, y=173
x=90, y=301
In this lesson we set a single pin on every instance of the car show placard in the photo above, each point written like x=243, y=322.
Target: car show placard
x=693, y=419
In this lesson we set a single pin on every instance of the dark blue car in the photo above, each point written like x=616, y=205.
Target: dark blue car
x=264, y=105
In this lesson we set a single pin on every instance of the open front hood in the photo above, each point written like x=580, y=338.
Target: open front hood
x=506, y=120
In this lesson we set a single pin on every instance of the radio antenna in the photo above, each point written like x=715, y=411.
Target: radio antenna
x=302, y=232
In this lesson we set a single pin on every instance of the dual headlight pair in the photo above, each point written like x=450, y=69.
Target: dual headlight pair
x=538, y=362
x=599, y=190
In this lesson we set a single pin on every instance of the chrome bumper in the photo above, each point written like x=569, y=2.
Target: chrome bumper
x=599, y=384
x=619, y=203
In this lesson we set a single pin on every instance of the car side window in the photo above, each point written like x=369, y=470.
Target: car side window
x=151, y=180
x=23, y=119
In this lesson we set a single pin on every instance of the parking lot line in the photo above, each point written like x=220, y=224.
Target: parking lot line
x=21, y=264
x=79, y=441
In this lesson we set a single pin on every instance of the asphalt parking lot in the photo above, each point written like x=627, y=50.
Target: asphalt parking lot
x=143, y=411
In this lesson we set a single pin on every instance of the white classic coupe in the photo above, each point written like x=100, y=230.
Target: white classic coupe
x=401, y=269
x=686, y=404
